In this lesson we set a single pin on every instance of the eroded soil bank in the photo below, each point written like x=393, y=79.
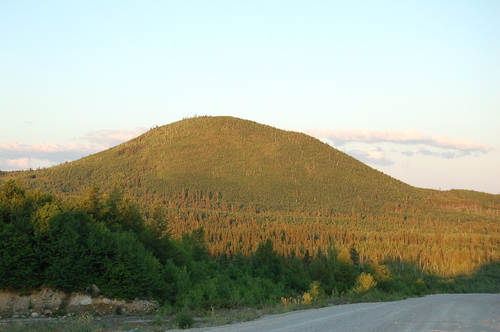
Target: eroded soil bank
x=50, y=303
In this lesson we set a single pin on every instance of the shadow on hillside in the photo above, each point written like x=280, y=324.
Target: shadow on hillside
x=485, y=280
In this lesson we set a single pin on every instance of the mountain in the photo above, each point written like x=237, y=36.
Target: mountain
x=245, y=183
x=226, y=160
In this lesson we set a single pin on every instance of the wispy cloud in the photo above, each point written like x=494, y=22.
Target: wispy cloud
x=18, y=163
x=110, y=138
x=39, y=150
x=20, y=155
x=412, y=144
x=408, y=137
x=407, y=153
x=375, y=156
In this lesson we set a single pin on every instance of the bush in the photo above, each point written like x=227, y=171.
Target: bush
x=314, y=294
x=184, y=320
x=364, y=283
x=132, y=271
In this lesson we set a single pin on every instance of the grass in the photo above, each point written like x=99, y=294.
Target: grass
x=224, y=317
x=83, y=323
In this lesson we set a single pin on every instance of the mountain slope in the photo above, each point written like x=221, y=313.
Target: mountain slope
x=236, y=161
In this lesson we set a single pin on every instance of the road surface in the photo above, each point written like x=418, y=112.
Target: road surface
x=450, y=312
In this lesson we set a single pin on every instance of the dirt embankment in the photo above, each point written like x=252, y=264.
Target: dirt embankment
x=49, y=303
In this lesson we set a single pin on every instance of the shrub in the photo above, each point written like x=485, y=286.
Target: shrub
x=184, y=320
x=315, y=292
x=420, y=287
x=82, y=323
x=364, y=282
x=307, y=298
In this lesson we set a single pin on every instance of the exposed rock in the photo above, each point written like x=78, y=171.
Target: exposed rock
x=86, y=301
x=47, y=305
x=48, y=294
x=93, y=290
x=34, y=314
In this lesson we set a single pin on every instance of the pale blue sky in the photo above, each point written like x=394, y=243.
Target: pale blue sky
x=411, y=88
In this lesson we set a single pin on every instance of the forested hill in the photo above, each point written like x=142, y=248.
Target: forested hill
x=242, y=165
x=235, y=184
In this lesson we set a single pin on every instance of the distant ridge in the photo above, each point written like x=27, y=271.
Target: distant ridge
x=237, y=162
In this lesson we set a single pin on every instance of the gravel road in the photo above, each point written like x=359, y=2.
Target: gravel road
x=451, y=312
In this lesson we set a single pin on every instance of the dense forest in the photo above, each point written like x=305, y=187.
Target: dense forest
x=103, y=238
x=218, y=211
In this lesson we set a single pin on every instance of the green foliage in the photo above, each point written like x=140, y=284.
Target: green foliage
x=57, y=244
x=121, y=213
x=132, y=271
x=296, y=275
x=18, y=259
x=195, y=246
x=314, y=293
x=184, y=320
x=63, y=252
x=486, y=280
x=420, y=287
x=343, y=272
x=266, y=261
x=380, y=272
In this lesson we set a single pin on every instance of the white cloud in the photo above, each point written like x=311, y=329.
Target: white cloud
x=47, y=147
x=110, y=138
x=396, y=146
x=16, y=163
x=376, y=156
x=20, y=155
x=408, y=136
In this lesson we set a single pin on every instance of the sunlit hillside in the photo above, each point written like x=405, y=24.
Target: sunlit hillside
x=245, y=182
x=235, y=161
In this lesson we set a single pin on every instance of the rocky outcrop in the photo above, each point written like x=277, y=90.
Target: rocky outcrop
x=48, y=302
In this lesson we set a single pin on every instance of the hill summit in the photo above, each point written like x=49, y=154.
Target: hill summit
x=236, y=161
